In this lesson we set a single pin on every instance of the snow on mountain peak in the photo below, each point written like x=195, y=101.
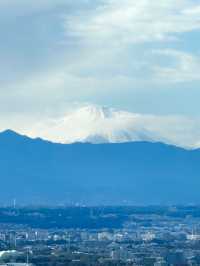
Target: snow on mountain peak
x=95, y=124
x=92, y=113
x=96, y=111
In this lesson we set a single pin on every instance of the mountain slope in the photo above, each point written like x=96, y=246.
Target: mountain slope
x=36, y=171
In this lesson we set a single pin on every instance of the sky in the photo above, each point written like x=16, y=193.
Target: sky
x=139, y=56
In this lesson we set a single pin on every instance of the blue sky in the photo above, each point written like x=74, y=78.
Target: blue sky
x=142, y=56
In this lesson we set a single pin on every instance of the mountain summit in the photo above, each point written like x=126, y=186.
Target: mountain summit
x=96, y=124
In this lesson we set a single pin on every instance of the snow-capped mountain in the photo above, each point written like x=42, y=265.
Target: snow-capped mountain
x=95, y=124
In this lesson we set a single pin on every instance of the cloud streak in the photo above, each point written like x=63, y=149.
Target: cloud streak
x=184, y=67
x=129, y=21
x=102, y=51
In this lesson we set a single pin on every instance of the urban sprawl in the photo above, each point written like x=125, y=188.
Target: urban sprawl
x=81, y=236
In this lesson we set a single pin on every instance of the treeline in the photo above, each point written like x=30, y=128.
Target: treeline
x=88, y=217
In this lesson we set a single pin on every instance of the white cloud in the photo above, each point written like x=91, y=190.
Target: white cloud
x=193, y=11
x=114, y=39
x=127, y=21
x=56, y=52
x=185, y=67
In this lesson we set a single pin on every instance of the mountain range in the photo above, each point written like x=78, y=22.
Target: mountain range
x=34, y=171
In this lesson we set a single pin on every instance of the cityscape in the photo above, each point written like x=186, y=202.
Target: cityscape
x=100, y=132
x=154, y=236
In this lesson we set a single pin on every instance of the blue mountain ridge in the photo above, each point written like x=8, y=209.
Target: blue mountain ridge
x=35, y=171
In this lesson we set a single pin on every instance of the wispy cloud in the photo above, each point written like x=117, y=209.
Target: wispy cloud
x=56, y=52
x=127, y=21
x=184, y=66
